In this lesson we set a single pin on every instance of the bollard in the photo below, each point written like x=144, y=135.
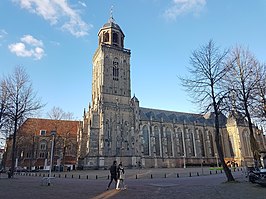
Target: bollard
x=189, y=174
x=87, y=177
x=136, y=176
x=72, y=176
x=79, y=176
x=96, y=177
x=210, y=172
x=165, y=175
x=65, y=175
x=216, y=171
x=59, y=175
x=221, y=171
x=151, y=176
x=197, y=173
x=177, y=175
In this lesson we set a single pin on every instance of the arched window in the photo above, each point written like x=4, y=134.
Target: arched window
x=146, y=141
x=191, y=140
x=43, y=145
x=246, y=143
x=115, y=37
x=106, y=37
x=157, y=141
x=211, y=143
x=179, y=142
x=169, y=142
x=115, y=69
x=231, y=146
x=202, y=149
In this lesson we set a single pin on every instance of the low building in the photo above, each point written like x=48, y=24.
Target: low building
x=34, y=143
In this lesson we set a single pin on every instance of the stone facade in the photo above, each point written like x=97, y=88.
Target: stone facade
x=116, y=127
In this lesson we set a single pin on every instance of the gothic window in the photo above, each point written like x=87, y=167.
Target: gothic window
x=106, y=37
x=246, y=143
x=211, y=143
x=191, y=136
x=201, y=143
x=115, y=37
x=157, y=141
x=179, y=142
x=115, y=69
x=146, y=140
x=231, y=147
x=169, y=142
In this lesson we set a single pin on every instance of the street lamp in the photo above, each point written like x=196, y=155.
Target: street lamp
x=216, y=156
x=53, y=133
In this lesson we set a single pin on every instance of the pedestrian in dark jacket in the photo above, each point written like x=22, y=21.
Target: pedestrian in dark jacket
x=113, y=173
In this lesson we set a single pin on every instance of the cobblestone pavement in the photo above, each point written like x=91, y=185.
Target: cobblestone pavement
x=167, y=186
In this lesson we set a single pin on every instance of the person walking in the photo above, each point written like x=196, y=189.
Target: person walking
x=113, y=172
x=120, y=177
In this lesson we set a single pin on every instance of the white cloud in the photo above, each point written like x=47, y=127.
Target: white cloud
x=31, y=40
x=3, y=33
x=57, y=12
x=33, y=49
x=180, y=7
x=82, y=3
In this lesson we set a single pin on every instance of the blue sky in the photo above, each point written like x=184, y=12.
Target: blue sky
x=55, y=41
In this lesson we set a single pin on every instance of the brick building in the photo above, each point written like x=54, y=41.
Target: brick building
x=34, y=141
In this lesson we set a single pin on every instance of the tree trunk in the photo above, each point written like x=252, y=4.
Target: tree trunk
x=227, y=171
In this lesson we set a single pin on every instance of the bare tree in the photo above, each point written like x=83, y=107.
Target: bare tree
x=243, y=81
x=21, y=103
x=56, y=113
x=204, y=85
x=260, y=109
x=63, y=140
x=3, y=102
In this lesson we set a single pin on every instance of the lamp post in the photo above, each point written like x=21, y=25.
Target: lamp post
x=53, y=133
x=216, y=156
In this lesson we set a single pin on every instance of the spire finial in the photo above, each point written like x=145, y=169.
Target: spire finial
x=111, y=19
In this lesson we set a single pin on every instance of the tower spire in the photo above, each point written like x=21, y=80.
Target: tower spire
x=111, y=19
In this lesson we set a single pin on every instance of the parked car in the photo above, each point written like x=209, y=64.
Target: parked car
x=257, y=176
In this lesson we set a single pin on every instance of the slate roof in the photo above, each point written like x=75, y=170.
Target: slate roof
x=147, y=114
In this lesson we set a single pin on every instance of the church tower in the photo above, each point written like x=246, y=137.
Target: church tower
x=110, y=118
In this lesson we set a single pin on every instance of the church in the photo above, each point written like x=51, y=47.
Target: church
x=115, y=127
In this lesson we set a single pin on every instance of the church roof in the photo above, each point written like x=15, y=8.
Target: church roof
x=112, y=24
x=179, y=117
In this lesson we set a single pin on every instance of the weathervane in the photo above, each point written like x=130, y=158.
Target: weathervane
x=111, y=19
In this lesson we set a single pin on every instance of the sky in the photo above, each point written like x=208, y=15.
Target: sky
x=54, y=40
